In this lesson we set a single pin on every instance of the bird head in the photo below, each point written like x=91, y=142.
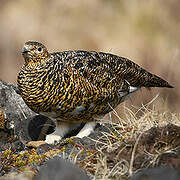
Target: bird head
x=35, y=53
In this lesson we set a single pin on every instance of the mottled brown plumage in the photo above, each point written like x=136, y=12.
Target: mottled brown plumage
x=76, y=86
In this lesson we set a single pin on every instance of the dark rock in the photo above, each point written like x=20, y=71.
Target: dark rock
x=60, y=169
x=36, y=128
x=36, y=125
x=171, y=159
x=14, y=108
x=157, y=173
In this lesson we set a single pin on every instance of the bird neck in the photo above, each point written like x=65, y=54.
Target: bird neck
x=35, y=65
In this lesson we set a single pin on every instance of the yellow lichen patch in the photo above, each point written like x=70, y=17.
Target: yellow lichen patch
x=21, y=160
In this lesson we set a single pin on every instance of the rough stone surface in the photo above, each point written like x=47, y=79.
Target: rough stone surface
x=157, y=173
x=59, y=169
x=14, y=108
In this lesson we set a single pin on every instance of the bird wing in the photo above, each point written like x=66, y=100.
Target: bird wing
x=94, y=73
x=90, y=81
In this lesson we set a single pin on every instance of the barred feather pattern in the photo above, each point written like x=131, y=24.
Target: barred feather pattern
x=77, y=86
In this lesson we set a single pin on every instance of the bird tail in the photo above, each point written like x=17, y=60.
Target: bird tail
x=155, y=81
x=137, y=76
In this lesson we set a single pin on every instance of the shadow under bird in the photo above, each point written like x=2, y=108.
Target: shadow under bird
x=78, y=86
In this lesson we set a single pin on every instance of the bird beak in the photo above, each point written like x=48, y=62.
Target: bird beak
x=24, y=50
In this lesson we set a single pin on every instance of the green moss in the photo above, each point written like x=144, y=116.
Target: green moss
x=20, y=160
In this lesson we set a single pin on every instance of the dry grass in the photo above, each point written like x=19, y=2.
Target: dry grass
x=119, y=153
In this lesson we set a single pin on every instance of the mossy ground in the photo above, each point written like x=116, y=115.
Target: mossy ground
x=114, y=150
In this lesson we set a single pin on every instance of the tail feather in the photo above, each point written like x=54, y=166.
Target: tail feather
x=137, y=76
x=155, y=81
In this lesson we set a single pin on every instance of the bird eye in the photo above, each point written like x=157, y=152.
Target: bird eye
x=39, y=49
